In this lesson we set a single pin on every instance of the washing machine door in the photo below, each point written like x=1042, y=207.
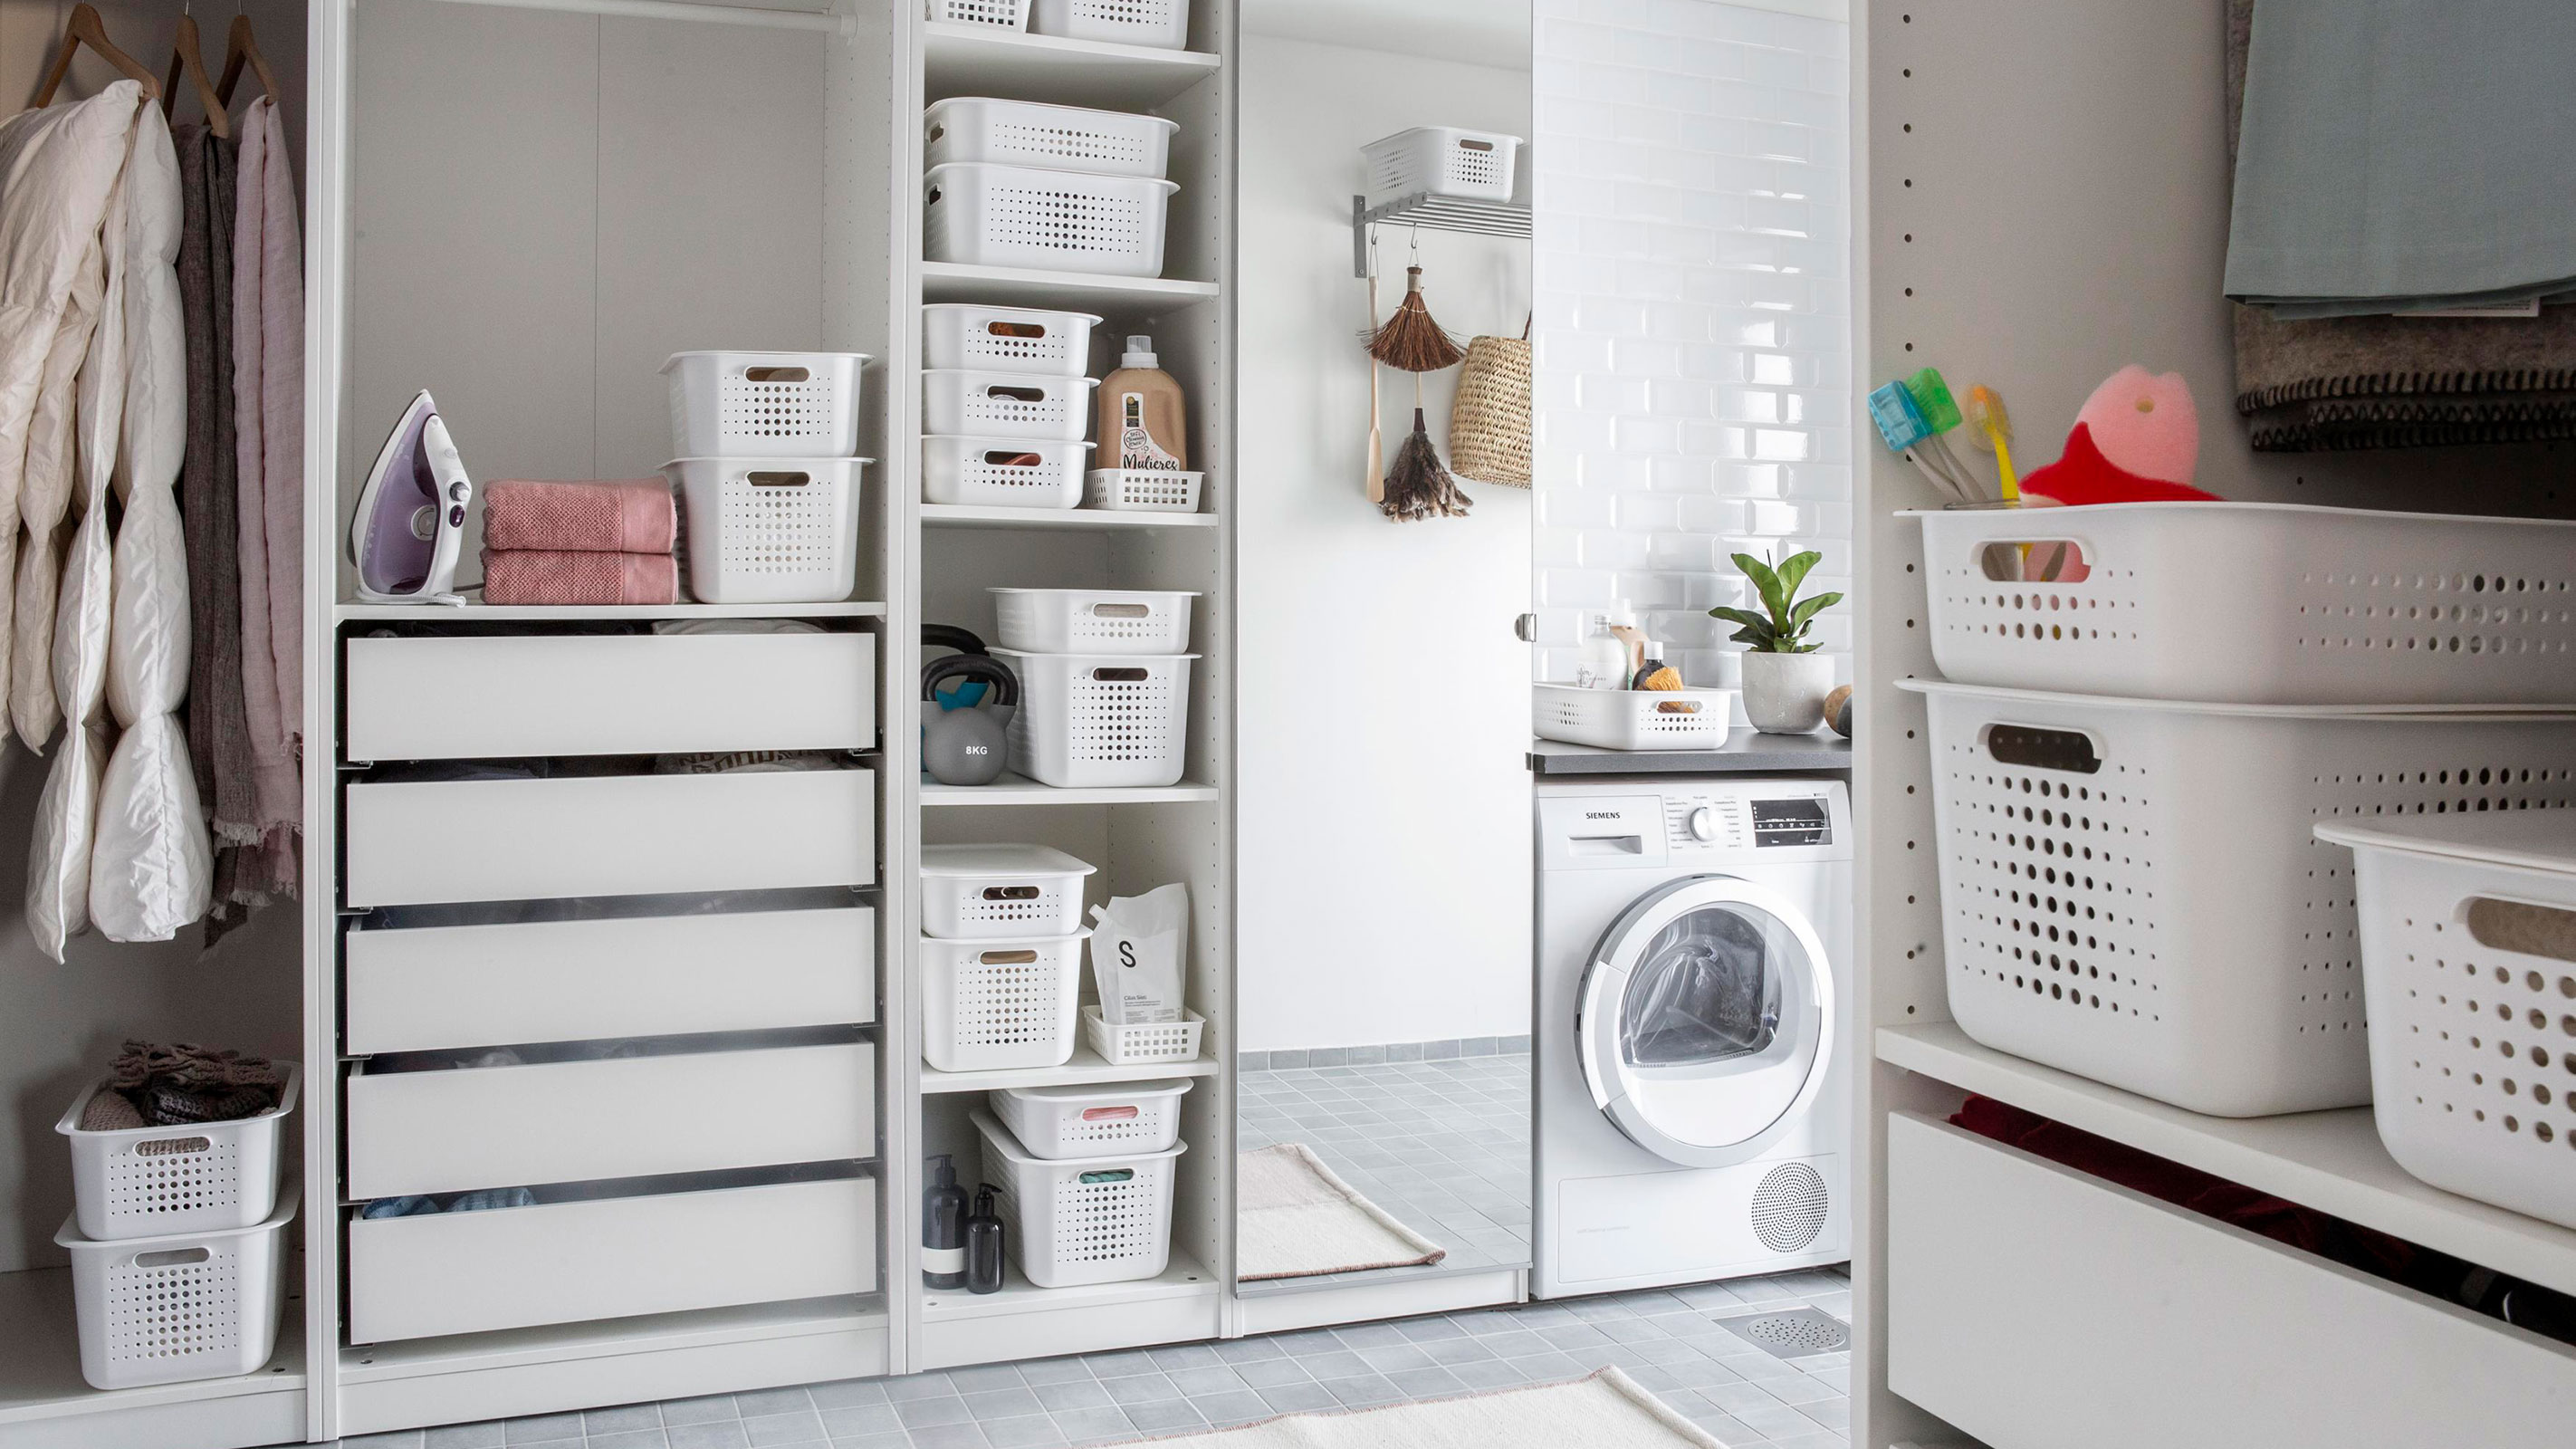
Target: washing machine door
x=1706, y=1021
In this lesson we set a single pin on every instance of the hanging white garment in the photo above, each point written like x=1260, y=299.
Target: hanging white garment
x=44, y=498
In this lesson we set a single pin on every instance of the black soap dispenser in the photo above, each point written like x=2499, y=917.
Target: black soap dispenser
x=943, y=1227
x=984, y=1244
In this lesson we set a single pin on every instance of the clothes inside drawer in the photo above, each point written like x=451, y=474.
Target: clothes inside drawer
x=427, y=987
x=420, y=841
x=502, y=696
x=577, y=1120
x=615, y=1257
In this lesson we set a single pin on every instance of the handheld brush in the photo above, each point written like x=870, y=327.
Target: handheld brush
x=1990, y=431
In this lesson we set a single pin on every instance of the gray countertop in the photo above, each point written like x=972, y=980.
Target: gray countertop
x=1745, y=752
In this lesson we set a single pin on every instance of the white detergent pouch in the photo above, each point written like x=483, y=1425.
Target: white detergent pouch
x=1136, y=944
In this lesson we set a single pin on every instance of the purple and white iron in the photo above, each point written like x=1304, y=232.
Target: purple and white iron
x=410, y=525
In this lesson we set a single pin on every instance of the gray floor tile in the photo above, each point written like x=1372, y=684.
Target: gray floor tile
x=717, y=1434
x=860, y=1419
x=1364, y=1389
x=1271, y=1373
x=1092, y=1426
x=464, y=1436
x=918, y=1386
x=896, y=1440
x=595, y=1422
x=760, y=1403
x=930, y=1413
x=1035, y=1431
x=398, y=1439
x=1427, y=1383
x=1199, y=1382
x=1239, y=1407
x=804, y=1427
x=1493, y=1373
x=1088, y=1394
x=1055, y=1371
x=1299, y=1398
x=985, y=1378
x=1008, y=1403
x=848, y=1393
x=543, y=1429
x=1165, y=1415
x=628, y=1439
x=951, y=1436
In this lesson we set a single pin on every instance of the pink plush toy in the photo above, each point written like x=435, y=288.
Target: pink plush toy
x=2136, y=440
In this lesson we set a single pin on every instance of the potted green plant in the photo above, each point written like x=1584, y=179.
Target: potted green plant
x=1785, y=679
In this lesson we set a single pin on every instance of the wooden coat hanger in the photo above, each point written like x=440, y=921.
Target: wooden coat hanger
x=187, y=59
x=87, y=29
x=241, y=48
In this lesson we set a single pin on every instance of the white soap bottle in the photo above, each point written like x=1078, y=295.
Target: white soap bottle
x=1604, y=661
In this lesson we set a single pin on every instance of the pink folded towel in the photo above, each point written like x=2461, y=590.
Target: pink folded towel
x=566, y=576
x=626, y=516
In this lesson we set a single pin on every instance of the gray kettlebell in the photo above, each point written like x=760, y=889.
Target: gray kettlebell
x=970, y=743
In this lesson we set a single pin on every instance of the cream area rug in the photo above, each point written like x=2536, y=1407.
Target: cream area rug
x=1295, y=1219
x=1605, y=1411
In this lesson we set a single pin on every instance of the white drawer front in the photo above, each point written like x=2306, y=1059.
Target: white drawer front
x=424, y=842
x=474, y=1127
x=419, y=1277
x=2035, y=1307
x=635, y=694
x=464, y=986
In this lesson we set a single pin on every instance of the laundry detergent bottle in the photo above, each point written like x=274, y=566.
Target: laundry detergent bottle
x=943, y=1227
x=1143, y=423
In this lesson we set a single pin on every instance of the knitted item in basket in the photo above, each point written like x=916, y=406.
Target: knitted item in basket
x=186, y=1083
x=1489, y=424
x=110, y=1111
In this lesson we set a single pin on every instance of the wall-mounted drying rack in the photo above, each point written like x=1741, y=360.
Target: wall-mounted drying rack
x=1475, y=215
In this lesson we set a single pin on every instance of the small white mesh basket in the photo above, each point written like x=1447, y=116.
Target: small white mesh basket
x=1065, y=1123
x=1156, y=24
x=764, y=404
x=999, y=1004
x=1443, y=161
x=2130, y=890
x=143, y=1182
x=982, y=215
x=971, y=337
x=180, y=1306
x=1143, y=1043
x=2312, y=605
x=1092, y=621
x=770, y=530
x=1632, y=719
x=978, y=892
x=1096, y=1220
x=999, y=14
x=1057, y=138
x=1006, y=405
x=1002, y=472
x=1141, y=490
x=2468, y=964
x=1100, y=721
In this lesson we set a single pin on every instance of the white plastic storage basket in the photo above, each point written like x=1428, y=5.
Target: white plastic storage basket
x=999, y=14
x=2468, y=963
x=2130, y=892
x=1001, y=1003
x=1632, y=719
x=983, y=215
x=1141, y=490
x=1158, y=24
x=971, y=337
x=1059, y=138
x=979, y=892
x=1443, y=161
x=1092, y=621
x=1100, y=721
x=1006, y=405
x=1143, y=1043
x=1002, y=472
x=179, y=1306
x=1095, y=1220
x=770, y=530
x=2255, y=603
x=764, y=404
x=143, y=1182
x=1064, y=1123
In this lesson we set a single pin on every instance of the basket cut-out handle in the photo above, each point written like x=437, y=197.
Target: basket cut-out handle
x=1109, y=1114
x=1114, y=1174
x=172, y=1257
x=776, y=374
x=1121, y=611
x=1010, y=893
x=1677, y=706
x=1123, y=674
x=1007, y=958
x=2042, y=748
x=172, y=1146
x=2035, y=560
x=1470, y=143
x=1006, y=458
x=1000, y=327
x=937, y=130
x=778, y=480
x=1016, y=394
x=2526, y=928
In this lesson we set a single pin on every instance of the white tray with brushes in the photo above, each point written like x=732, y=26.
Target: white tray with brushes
x=1632, y=719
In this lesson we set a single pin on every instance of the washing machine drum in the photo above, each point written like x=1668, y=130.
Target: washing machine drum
x=1707, y=1020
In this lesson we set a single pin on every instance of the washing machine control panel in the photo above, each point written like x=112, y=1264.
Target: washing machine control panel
x=1740, y=819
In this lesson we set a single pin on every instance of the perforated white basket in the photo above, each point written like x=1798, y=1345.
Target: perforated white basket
x=1000, y=14
x=2257, y=603
x=998, y=1004
x=1002, y=472
x=1157, y=24
x=1092, y=621
x=142, y=1182
x=1094, y=1220
x=1006, y=405
x=179, y=1306
x=1143, y=1043
x=1141, y=490
x=770, y=530
x=1632, y=719
x=1058, y=221
x=979, y=892
x=971, y=337
x=2468, y=964
x=1059, y=138
x=1064, y=1123
x=1100, y=721
x=2130, y=891
x=764, y=404
x=1443, y=161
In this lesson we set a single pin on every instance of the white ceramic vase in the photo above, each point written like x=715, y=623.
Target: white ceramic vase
x=1784, y=694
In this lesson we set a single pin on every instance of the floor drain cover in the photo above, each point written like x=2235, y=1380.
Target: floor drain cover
x=1798, y=1333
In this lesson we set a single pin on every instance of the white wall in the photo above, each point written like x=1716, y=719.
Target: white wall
x=1382, y=705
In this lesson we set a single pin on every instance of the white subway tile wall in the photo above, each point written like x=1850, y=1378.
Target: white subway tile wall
x=1693, y=331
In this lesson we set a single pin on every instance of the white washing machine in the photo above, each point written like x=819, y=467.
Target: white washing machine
x=1693, y=1032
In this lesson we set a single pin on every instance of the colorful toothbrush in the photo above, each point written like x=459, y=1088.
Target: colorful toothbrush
x=1990, y=431
x=1940, y=411
x=1902, y=427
